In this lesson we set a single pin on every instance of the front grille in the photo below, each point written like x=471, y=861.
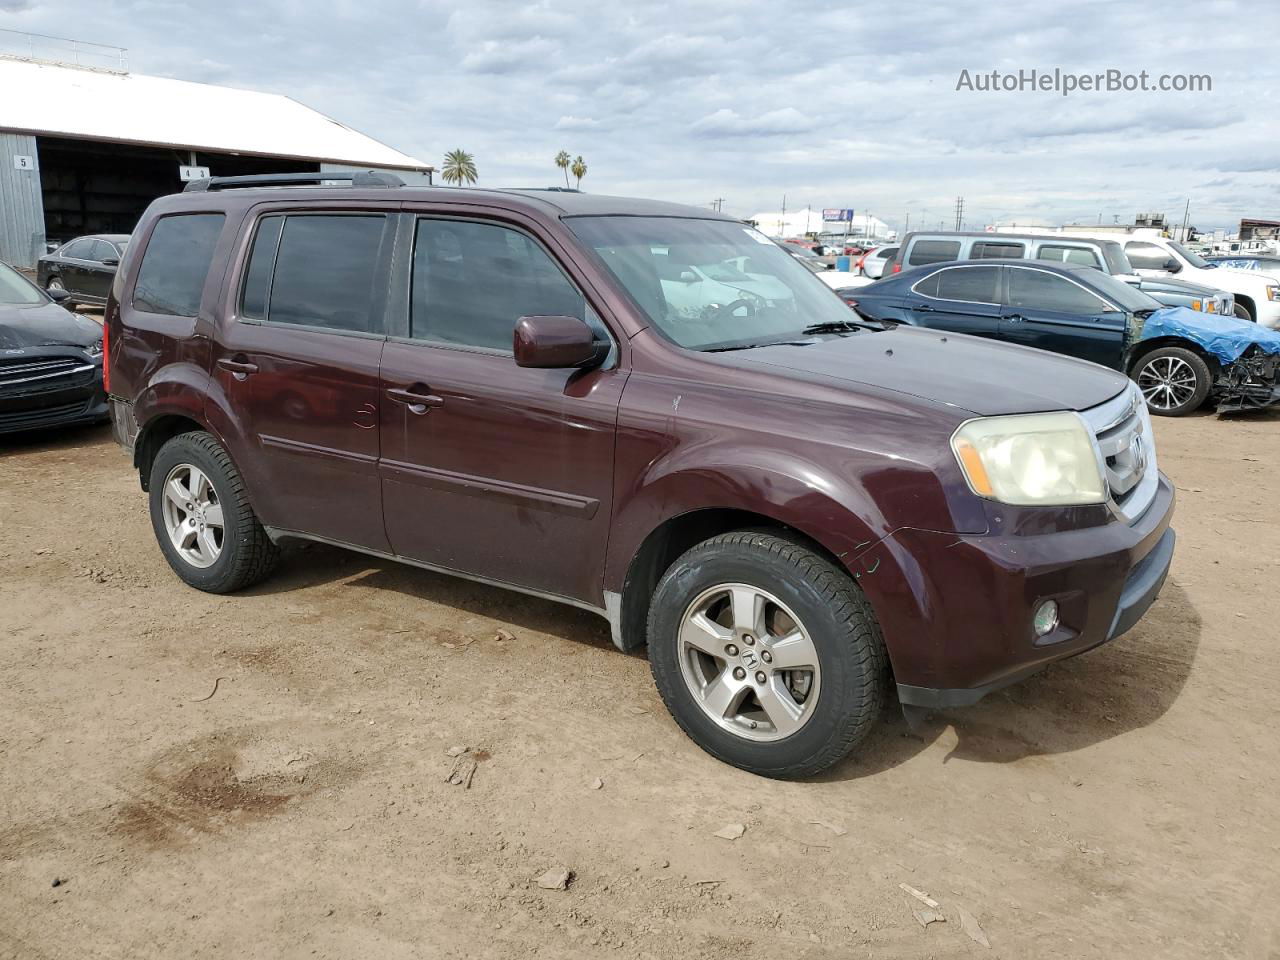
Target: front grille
x=43, y=373
x=1122, y=429
x=27, y=419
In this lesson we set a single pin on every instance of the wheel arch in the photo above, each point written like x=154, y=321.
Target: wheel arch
x=1248, y=303
x=1144, y=347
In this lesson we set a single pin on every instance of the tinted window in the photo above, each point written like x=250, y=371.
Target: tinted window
x=473, y=281
x=102, y=250
x=1145, y=256
x=988, y=250
x=927, y=287
x=1081, y=255
x=79, y=249
x=933, y=251
x=971, y=284
x=257, y=278
x=176, y=263
x=326, y=271
x=17, y=289
x=1039, y=290
x=886, y=252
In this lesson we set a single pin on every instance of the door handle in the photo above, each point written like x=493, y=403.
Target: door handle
x=924, y=308
x=1015, y=318
x=238, y=368
x=416, y=398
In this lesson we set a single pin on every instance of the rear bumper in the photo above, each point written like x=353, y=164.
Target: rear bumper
x=958, y=625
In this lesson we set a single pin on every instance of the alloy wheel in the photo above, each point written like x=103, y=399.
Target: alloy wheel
x=1167, y=383
x=749, y=662
x=193, y=515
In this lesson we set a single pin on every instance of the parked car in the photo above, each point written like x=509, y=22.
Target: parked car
x=50, y=360
x=1238, y=261
x=802, y=253
x=1257, y=293
x=1103, y=254
x=871, y=264
x=1178, y=357
x=787, y=504
x=83, y=267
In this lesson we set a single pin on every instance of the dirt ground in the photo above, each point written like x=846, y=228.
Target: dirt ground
x=265, y=775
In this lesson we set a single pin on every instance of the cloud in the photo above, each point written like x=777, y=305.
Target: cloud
x=727, y=123
x=577, y=123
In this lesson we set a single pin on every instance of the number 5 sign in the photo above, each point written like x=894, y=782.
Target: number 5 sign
x=24, y=163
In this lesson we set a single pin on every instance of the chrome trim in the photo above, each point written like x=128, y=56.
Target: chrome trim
x=1125, y=444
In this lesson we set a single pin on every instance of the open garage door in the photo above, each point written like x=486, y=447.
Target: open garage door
x=90, y=186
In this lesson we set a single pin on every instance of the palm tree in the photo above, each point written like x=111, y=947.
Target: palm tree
x=459, y=168
x=579, y=170
x=562, y=161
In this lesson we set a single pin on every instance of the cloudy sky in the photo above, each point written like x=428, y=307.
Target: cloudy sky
x=828, y=104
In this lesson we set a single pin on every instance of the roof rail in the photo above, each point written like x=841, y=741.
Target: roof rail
x=358, y=178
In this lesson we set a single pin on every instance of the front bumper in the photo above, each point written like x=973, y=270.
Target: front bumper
x=54, y=404
x=958, y=626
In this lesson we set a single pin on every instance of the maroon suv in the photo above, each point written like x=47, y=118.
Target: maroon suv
x=646, y=410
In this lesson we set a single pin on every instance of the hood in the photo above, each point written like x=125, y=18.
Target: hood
x=44, y=325
x=1170, y=284
x=968, y=373
x=1256, y=276
x=1224, y=337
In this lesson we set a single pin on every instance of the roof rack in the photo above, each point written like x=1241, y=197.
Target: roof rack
x=358, y=178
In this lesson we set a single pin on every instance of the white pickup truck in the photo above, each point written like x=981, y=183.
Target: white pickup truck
x=1257, y=293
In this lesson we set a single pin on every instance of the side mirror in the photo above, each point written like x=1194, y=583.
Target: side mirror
x=556, y=343
x=688, y=276
x=57, y=294
x=110, y=262
x=1171, y=265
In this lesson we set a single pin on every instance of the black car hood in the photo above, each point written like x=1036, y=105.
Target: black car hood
x=958, y=371
x=44, y=325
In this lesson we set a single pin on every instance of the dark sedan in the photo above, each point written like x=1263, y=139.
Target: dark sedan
x=50, y=359
x=1085, y=313
x=83, y=267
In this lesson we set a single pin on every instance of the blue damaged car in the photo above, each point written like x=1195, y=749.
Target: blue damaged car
x=1179, y=357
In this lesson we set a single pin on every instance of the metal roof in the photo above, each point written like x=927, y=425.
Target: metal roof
x=69, y=101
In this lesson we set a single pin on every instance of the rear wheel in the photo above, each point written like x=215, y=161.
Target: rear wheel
x=1175, y=381
x=202, y=518
x=766, y=653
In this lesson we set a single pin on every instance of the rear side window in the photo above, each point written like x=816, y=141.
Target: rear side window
x=969, y=284
x=473, y=281
x=933, y=251
x=316, y=270
x=1059, y=254
x=79, y=249
x=988, y=250
x=1041, y=290
x=176, y=263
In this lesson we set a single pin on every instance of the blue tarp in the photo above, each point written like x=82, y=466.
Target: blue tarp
x=1224, y=337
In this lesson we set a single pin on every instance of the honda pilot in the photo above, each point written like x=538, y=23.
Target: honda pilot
x=646, y=410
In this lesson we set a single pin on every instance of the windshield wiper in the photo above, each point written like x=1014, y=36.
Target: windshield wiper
x=833, y=326
x=752, y=346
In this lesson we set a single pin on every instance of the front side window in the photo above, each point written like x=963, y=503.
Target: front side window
x=990, y=250
x=316, y=270
x=1059, y=254
x=968, y=284
x=933, y=251
x=176, y=263
x=79, y=249
x=1041, y=290
x=710, y=284
x=473, y=281
x=1146, y=256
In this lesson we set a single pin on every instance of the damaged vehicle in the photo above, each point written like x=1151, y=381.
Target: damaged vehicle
x=50, y=359
x=1179, y=357
x=790, y=507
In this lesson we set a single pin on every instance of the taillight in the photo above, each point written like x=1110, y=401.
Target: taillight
x=862, y=261
x=897, y=268
x=106, y=353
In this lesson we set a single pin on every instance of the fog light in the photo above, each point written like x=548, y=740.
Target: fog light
x=1046, y=618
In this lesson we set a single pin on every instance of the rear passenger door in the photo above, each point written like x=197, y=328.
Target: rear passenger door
x=296, y=357
x=964, y=298
x=490, y=469
x=1052, y=312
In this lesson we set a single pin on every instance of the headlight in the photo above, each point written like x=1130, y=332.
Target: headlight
x=1038, y=459
x=94, y=348
x=1273, y=292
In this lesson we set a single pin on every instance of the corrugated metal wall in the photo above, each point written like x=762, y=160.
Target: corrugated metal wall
x=410, y=177
x=21, y=206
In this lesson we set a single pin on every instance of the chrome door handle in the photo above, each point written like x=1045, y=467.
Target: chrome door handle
x=417, y=402
x=1015, y=318
x=238, y=369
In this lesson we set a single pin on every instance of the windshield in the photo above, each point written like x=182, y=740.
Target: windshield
x=1192, y=258
x=1123, y=294
x=711, y=284
x=17, y=289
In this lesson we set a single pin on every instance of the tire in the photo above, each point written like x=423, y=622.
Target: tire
x=804, y=595
x=244, y=554
x=1174, y=380
x=1241, y=311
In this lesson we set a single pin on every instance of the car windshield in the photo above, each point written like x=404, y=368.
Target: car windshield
x=1192, y=258
x=711, y=284
x=15, y=289
x=1122, y=294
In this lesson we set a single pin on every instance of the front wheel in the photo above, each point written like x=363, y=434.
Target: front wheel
x=766, y=654
x=1241, y=311
x=202, y=518
x=1174, y=380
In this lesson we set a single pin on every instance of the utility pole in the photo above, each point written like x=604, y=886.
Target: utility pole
x=906, y=228
x=782, y=224
x=959, y=211
x=716, y=204
x=1185, y=217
